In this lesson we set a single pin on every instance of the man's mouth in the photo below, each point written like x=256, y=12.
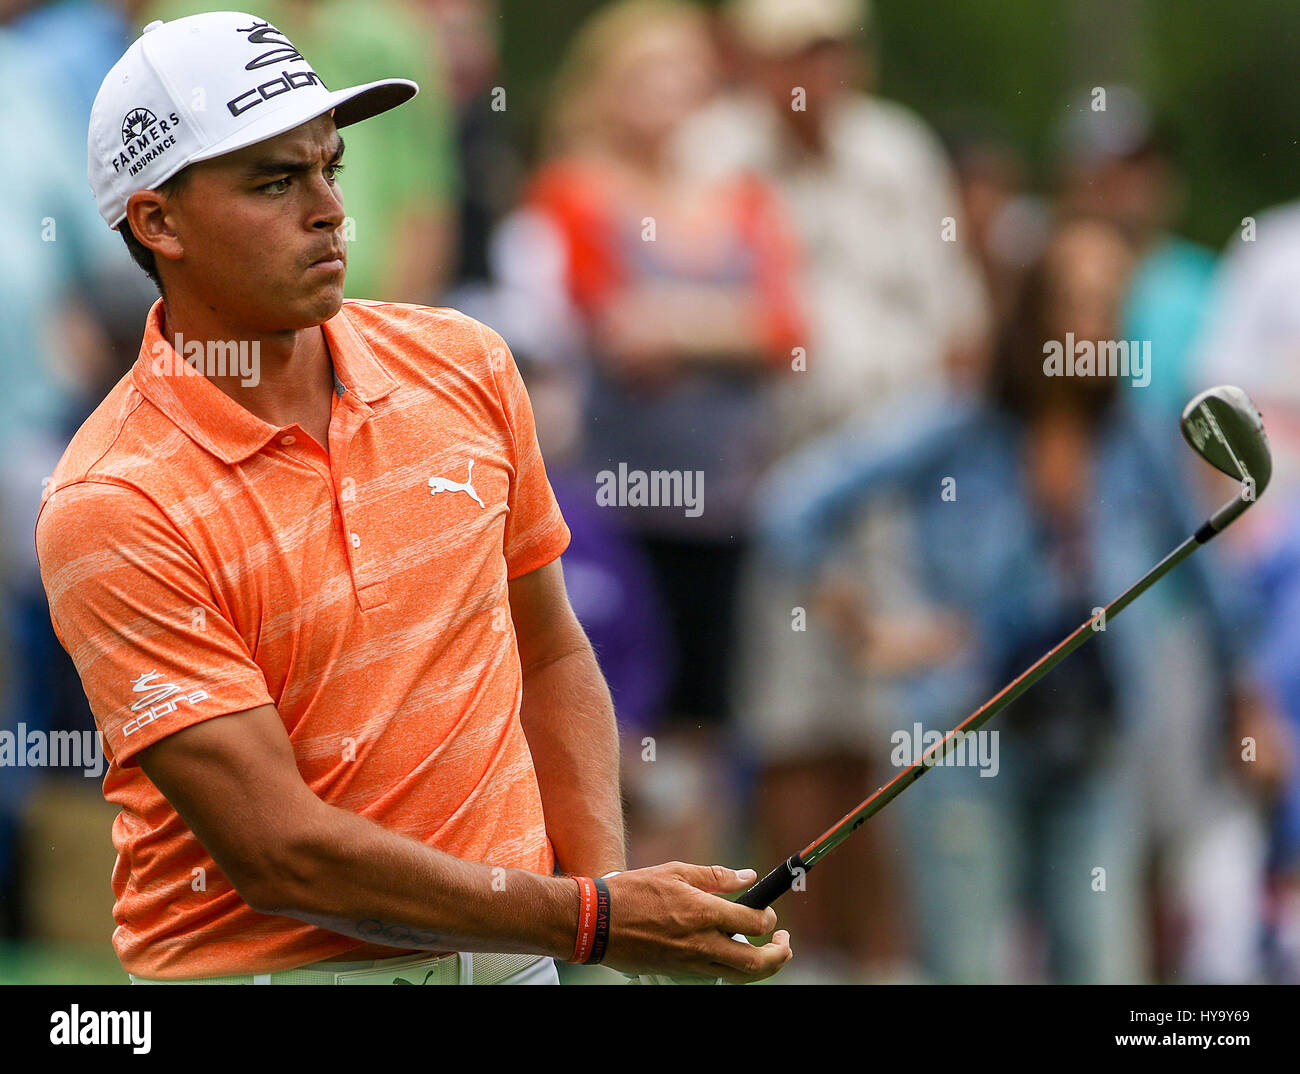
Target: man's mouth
x=332, y=259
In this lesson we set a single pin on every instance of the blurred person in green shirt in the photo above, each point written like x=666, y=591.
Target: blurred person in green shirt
x=399, y=179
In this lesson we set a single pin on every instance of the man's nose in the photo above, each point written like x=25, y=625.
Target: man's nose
x=328, y=213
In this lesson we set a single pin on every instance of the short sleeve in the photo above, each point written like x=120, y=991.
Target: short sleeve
x=130, y=603
x=535, y=531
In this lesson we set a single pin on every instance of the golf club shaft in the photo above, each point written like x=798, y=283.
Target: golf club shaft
x=782, y=878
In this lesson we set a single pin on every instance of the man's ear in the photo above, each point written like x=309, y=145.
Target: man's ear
x=147, y=211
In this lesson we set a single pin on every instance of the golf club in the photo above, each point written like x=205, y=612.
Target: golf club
x=1223, y=426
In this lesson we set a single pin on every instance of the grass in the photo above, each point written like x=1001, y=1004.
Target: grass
x=31, y=963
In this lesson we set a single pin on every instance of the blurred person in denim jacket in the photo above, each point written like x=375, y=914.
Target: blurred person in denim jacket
x=1277, y=590
x=1032, y=507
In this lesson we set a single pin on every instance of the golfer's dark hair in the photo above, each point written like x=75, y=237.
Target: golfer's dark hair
x=140, y=253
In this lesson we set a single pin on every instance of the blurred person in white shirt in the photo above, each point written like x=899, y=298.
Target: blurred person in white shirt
x=894, y=304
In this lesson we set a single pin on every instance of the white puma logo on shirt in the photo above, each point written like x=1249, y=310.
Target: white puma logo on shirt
x=445, y=484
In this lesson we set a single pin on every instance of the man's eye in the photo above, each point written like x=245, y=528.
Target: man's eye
x=332, y=171
x=277, y=187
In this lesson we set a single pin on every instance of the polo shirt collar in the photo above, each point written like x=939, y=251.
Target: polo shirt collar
x=355, y=363
x=215, y=421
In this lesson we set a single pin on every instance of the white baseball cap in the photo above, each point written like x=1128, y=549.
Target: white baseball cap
x=785, y=27
x=202, y=86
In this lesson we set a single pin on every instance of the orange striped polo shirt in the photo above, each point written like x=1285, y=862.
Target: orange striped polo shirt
x=199, y=562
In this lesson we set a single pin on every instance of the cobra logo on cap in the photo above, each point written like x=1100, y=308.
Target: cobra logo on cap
x=282, y=51
x=263, y=33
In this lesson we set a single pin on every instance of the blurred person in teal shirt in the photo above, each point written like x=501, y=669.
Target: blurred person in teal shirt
x=80, y=40
x=55, y=247
x=1118, y=163
x=52, y=358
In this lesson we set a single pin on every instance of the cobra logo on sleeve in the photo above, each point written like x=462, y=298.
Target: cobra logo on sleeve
x=158, y=696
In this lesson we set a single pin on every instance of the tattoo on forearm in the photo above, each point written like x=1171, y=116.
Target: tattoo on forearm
x=395, y=935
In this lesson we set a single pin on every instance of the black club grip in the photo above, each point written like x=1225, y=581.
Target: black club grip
x=774, y=885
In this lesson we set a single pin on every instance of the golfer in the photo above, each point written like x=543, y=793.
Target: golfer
x=306, y=560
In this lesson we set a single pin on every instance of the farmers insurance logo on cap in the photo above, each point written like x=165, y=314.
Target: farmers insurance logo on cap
x=145, y=137
x=203, y=86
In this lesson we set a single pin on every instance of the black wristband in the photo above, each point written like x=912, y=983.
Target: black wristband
x=601, y=939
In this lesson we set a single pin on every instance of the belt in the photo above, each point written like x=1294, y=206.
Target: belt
x=479, y=969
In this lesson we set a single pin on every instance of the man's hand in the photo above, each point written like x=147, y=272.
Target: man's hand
x=915, y=639
x=669, y=920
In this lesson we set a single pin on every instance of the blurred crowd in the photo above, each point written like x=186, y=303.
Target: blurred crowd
x=721, y=253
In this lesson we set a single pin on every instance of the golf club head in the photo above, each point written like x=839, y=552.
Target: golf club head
x=1226, y=429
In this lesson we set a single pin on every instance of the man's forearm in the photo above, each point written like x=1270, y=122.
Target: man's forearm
x=346, y=873
x=568, y=718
